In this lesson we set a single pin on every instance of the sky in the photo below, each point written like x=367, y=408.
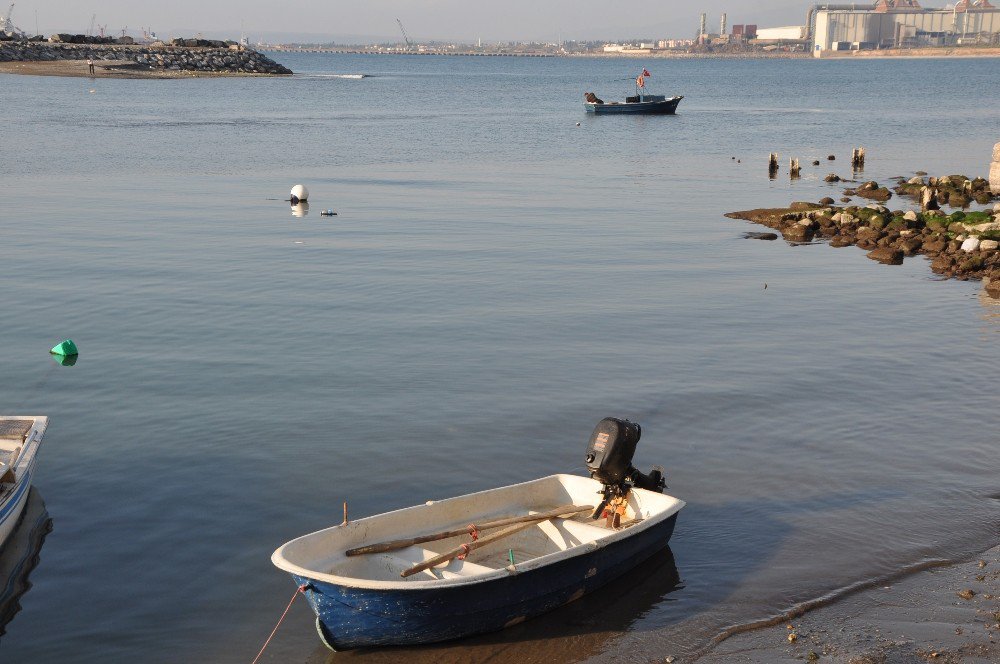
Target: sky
x=371, y=20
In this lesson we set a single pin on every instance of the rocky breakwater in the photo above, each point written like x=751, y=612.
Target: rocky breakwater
x=201, y=56
x=961, y=245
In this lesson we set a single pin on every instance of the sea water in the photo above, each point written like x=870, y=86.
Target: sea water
x=503, y=272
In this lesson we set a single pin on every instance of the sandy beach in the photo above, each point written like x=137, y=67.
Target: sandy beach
x=105, y=69
x=942, y=614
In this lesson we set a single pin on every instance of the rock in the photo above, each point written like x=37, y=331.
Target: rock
x=832, y=157
x=845, y=199
x=910, y=215
x=887, y=255
x=915, y=180
x=797, y=233
x=910, y=245
x=832, y=177
x=816, y=162
x=970, y=244
x=841, y=241
x=988, y=245
x=760, y=236
x=920, y=172
x=992, y=287
x=830, y=201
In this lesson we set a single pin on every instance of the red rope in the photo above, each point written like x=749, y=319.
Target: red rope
x=465, y=551
x=300, y=590
x=473, y=531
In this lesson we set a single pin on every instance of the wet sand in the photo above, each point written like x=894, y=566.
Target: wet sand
x=925, y=617
x=104, y=69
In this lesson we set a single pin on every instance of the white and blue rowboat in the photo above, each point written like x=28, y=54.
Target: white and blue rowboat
x=364, y=599
x=20, y=438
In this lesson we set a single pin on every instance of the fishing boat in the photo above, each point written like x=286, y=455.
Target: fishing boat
x=641, y=102
x=484, y=561
x=20, y=438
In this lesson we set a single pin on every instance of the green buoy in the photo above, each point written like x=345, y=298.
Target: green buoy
x=66, y=348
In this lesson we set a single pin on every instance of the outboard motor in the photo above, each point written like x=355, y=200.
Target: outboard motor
x=609, y=460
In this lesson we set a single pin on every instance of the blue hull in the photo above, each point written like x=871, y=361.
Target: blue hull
x=668, y=107
x=357, y=617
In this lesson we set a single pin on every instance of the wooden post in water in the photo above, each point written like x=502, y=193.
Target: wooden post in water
x=772, y=164
x=858, y=159
x=928, y=199
x=794, y=169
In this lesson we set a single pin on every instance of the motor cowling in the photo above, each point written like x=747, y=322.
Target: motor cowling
x=609, y=456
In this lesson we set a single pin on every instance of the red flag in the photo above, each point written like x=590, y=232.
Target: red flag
x=641, y=82
x=645, y=72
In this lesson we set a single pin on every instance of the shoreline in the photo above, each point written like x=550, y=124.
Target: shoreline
x=112, y=69
x=940, y=612
x=927, y=53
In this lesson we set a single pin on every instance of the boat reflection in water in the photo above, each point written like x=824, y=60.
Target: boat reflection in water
x=20, y=555
x=584, y=627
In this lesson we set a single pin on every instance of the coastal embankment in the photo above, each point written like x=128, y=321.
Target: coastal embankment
x=135, y=61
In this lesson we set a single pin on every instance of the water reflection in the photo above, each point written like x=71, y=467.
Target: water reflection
x=583, y=627
x=300, y=209
x=20, y=555
x=65, y=360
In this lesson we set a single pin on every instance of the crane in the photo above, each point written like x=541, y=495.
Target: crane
x=7, y=25
x=409, y=44
x=90, y=32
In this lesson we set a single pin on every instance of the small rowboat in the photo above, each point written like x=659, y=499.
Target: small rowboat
x=526, y=549
x=20, y=438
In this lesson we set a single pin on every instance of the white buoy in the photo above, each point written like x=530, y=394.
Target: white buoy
x=299, y=193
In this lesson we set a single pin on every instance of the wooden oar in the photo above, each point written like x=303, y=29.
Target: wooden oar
x=483, y=541
x=393, y=545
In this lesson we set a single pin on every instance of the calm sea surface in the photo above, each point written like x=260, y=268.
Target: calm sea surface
x=498, y=279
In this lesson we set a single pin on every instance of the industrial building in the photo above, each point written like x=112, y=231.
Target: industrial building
x=901, y=24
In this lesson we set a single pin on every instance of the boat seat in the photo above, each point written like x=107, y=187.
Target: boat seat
x=15, y=430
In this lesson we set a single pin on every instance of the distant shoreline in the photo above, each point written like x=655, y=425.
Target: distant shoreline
x=951, y=52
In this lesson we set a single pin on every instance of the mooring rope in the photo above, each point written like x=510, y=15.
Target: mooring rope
x=298, y=591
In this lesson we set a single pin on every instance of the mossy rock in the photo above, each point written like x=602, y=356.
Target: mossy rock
x=983, y=197
x=956, y=216
x=977, y=217
x=958, y=200
x=897, y=224
x=957, y=179
x=877, y=222
x=972, y=264
x=937, y=224
x=866, y=213
x=990, y=235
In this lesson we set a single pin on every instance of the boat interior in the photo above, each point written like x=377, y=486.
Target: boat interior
x=322, y=554
x=13, y=434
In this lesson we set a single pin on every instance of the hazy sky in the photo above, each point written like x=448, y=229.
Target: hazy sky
x=424, y=19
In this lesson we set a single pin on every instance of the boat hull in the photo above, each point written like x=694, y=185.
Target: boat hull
x=351, y=617
x=667, y=107
x=13, y=498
